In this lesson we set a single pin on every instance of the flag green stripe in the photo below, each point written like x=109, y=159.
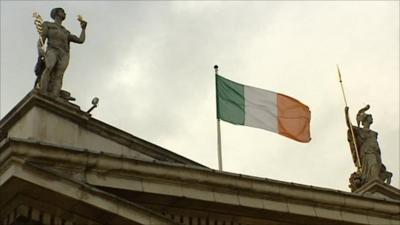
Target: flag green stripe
x=230, y=101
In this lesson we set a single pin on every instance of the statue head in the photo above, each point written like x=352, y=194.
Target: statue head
x=363, y=117
x=57, y=12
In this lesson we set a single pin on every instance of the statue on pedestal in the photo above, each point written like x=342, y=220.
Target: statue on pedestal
x=365, y=151
x=53, y=62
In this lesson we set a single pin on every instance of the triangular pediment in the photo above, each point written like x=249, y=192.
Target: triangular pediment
x=45, y=120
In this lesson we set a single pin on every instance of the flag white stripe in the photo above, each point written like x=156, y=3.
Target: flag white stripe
x=261, y=109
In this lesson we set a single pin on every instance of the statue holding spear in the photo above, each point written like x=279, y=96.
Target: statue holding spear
x=365, y=148
x=352, y=140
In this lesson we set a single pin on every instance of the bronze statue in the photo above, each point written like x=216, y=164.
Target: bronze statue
x=369, y=153
x=52, y=65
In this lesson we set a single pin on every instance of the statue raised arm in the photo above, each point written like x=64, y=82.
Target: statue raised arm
x=353, y=142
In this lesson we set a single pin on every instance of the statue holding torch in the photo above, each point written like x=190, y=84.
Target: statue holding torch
x=53, y=62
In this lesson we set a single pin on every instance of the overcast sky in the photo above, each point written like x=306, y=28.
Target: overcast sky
x=151, y=65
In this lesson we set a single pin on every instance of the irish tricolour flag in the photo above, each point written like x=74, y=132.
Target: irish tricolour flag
x=255, y=107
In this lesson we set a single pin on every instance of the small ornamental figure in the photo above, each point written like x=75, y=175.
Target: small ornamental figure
x=53, y=62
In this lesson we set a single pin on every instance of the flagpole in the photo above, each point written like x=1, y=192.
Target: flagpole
x=218, y=123
x=351, y=126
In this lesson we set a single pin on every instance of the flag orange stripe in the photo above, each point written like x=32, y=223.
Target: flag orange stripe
x=293, y=118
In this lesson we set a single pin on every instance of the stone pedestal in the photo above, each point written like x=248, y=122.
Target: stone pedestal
x=379, y=189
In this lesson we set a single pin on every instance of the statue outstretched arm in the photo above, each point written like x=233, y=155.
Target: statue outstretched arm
x=346, y=112
x=353, y=137
x=82, y=36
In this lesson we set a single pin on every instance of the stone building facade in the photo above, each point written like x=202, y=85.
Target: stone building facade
x=60, y=166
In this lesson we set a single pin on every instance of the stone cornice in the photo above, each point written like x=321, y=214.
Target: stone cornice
x=211, y=182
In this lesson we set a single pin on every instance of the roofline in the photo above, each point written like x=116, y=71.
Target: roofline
x=72, y=112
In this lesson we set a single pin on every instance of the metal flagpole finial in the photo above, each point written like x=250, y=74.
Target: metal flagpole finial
x=216, y=69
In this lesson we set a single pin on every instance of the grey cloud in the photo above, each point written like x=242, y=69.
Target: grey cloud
x=151, y=65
